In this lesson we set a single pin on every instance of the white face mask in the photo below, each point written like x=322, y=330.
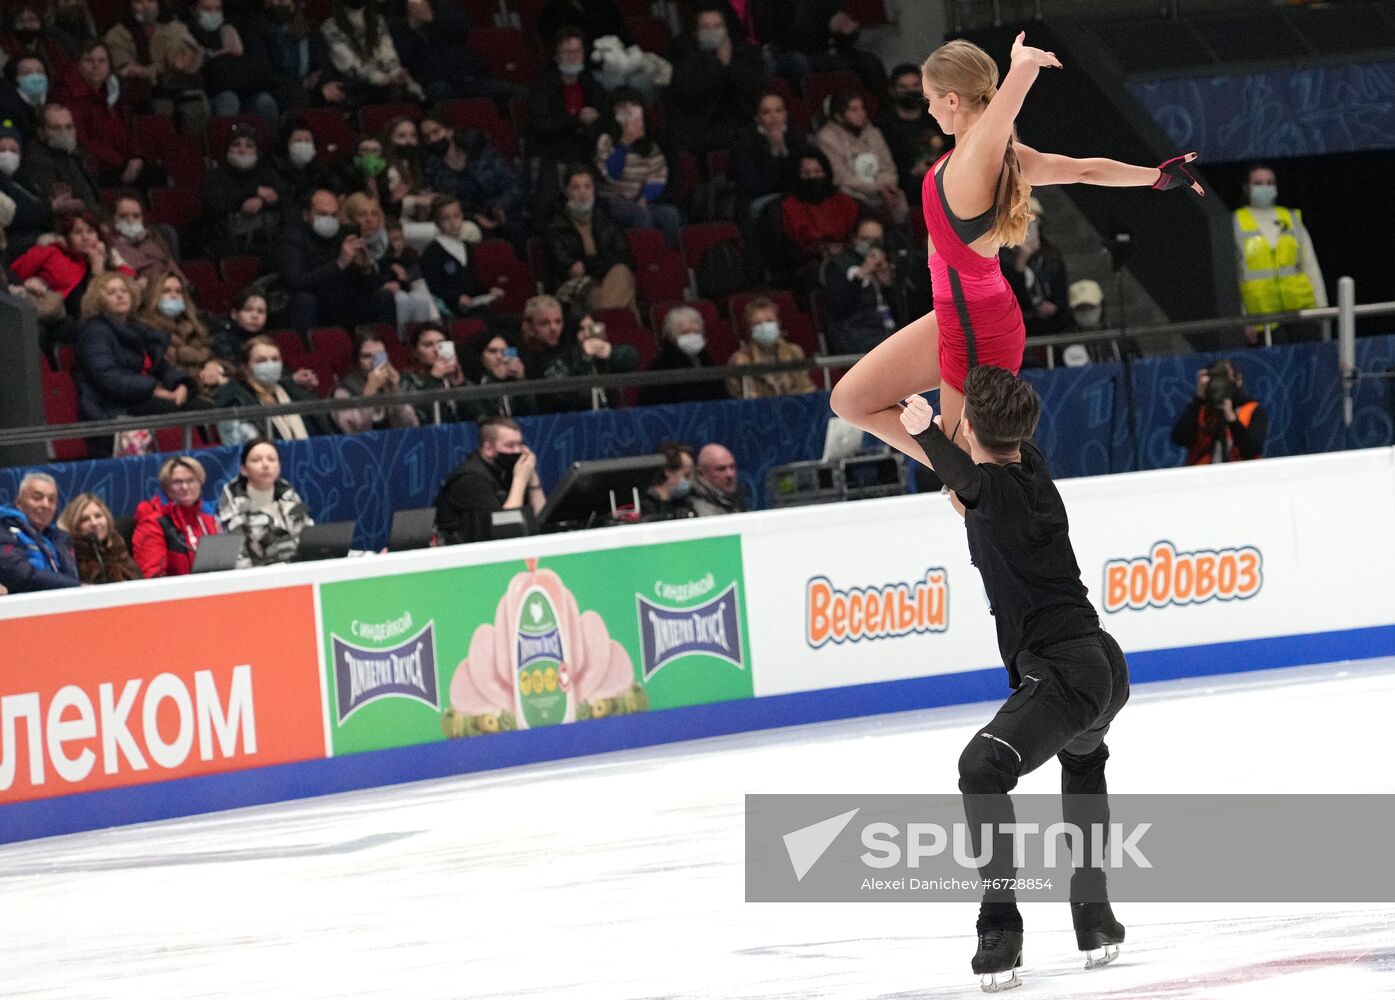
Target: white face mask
x=1263, y=195
x=9, y=162
x=267, y=373
x=765, y=333
x=325, y=226
x=131, y=230
x=210, y=20
x=301, y=153
x=242, y=161
x=691, y=344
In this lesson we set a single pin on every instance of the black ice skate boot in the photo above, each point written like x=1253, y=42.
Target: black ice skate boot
x=999, y=954
x=1097, y=933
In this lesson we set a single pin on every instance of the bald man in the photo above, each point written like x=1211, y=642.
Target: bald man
x=715, y=486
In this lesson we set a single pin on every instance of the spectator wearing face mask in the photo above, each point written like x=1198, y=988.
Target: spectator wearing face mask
x=862, y=163
x=242, y=199
x=861, y=287
x=683, y=348
x=714, y=86
x=24, y=93
x=500, y=475
x=301, y=171
x=589, y=249
x=1278, y=267
x=128, y=42
x=32, y=215
x=765, y=345
x=29, y=37
x=911, y=134
x=263, y=381
x=411, y=298
x=233, y=81
x=464, y=164
x=670, y=496
x=102, y=117
x=633, y=169
x=817, y=218
x=144, y=250
x=361, y=49
x=55, y=169
x=564, y=105
x=169, y=309
x=328, y=272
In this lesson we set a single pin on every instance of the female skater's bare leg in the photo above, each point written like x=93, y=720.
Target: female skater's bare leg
x=906, y=363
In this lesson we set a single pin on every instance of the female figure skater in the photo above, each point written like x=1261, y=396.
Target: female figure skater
x=975, y=200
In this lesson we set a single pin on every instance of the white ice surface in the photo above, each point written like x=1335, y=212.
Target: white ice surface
x=621, y=876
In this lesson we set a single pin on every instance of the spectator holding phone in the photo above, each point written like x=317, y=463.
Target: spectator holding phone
x=434, y=366
x=374, y=377
x=499, y=361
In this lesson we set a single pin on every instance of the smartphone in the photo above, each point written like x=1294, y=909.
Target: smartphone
x=380, y=358
x=510, y=352
x=445, y=350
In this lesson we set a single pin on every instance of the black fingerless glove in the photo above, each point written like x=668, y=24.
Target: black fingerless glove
x=1174, y=173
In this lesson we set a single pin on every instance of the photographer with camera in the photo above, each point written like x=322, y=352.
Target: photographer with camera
x=1221, y=423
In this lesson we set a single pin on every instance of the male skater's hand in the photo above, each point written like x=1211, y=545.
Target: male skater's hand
x=916, y=415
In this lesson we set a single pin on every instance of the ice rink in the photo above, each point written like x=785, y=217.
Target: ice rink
x=621, y=876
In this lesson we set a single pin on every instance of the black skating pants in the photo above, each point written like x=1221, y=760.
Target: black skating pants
x=1070, y=693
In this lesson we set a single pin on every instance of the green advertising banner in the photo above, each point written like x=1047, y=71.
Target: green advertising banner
x=483, y=649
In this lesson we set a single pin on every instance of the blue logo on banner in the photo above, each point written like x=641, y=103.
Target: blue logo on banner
x=710, y=629
x=407, y=670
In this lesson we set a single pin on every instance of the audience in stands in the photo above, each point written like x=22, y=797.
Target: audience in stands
x=589, y=250
x=411, y=297
x=372, y=377
x=1036, y=271
x=264, y=508
x=35, y=554
x=1222, y=423
x=361, y=50
x=169, y=309
x=817, y=218
x=178, y=91
x=55, y=168
x=670, y=496
x=29, y=36
x=103, y=124
x=563, y=110
x=764, y=160
x=499, y=361
x=144, y=251
x=861, y=286
x=549, y=353
x=633, y=169
x=766, y=344
x=23, y=94
x=500, y=475
x=433, y=366
x=328, y=272
x=69, y=23
x=101, y=552
x=862, y=163
x=242, y=198
x=262, y=381
x=246, y=319
x=278, y=36
x=914, y=139
x=430, y=36
x=684, y=347
x=57, y=275
x=465, y=165
x=716, y=488
x=170, y=525
x=593, y=18
x=33, y=215
x=302, y=172
x=445, y=266
x=716, y=80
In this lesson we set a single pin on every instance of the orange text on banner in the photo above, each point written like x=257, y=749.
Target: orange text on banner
x=893, y=609
x=1165, y=576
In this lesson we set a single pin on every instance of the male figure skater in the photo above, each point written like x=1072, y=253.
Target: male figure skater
x=1069, y=676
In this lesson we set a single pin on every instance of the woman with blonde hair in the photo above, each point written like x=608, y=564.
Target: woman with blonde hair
x=102, y=556
x=170, y=525
x=169, y=309
x=975, y=201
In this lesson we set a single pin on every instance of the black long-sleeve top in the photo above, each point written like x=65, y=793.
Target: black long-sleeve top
x=1019, y=539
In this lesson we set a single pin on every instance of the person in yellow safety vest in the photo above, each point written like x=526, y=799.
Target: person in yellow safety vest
x=1277, y=266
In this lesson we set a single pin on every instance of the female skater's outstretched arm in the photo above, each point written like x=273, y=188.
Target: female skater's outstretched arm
x=1052, y=168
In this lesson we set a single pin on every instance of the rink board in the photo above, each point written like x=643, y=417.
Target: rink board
x=174, y=697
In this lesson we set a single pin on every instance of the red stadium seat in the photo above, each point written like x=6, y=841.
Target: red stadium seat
x=819, y=85
x=216, y=134
x=497, y=265
x=621, y=327
x=178, y=207
x=372, y=117
x=506, y=54
x=721, y=342
x=650, y=33
x=334, y=136
x=464, y=332
x=293, y=352
x=61, y=407
x=659, y=268
x=201, y=273
x=718, y=162
x=332, y=355
x=541, y=263
x=240, y=270
x=479, y=113
x=686, y=175
x=154, y=135
x=867, y=13
x=697, y=238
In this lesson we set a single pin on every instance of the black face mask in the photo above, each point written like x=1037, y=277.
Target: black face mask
x=813, y=189
x=909, y=100
x=404, y=152
x=27, y=36
x=355, y=4
x=438, y=148
x=506, y=461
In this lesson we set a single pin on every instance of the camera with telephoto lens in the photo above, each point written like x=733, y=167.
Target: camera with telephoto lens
x=1219, y=387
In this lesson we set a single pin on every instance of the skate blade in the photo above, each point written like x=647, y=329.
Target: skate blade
x=1100, y=957
x=990, y=983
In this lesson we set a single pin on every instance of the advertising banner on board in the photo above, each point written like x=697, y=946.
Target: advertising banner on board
x=476, y=650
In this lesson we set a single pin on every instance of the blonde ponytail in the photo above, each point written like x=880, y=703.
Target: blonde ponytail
x=1013, y=199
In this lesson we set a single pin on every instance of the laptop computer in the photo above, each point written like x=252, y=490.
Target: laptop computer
x=325, y=541
x=841, y=440
x=412, y=529
x=217, y=553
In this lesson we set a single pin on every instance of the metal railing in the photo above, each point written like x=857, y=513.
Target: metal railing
x=1345, y=313
x=962, y=15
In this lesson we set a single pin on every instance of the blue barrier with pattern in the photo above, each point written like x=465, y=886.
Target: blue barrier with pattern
x=1084, y=431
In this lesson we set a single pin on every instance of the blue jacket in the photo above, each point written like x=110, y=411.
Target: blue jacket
x=32, y=561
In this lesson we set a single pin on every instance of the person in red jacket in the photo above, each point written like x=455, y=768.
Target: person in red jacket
x=817, y=218
x=93, y=94
x=168, y=531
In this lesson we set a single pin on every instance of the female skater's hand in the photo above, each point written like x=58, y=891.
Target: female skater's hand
x=1037, y=57
x=917, y=414
x=1174, y=173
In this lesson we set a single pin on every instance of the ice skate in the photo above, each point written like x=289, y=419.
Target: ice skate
x=999, y=955
x=1097, y=933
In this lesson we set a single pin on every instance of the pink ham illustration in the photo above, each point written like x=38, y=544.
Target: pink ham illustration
x=597, y=666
